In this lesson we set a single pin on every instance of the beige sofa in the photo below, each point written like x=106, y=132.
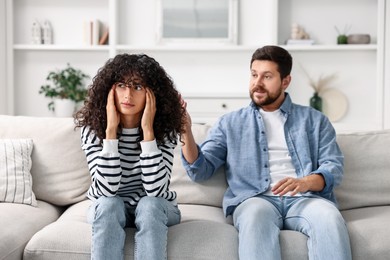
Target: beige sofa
x=57, y=228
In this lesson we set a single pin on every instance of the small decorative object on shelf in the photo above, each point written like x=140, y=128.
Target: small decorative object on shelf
x=36, y=33
x=342, y=37
x=318, y=87
x=316, y=101
x=359, y=39
x=67, y=84
x=299, y=36
x=47, y=33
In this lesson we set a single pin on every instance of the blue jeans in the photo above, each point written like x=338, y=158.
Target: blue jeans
x=109, y=216
x=260, y=219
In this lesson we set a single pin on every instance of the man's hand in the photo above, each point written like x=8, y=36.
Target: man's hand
x=189, y=148
x=113, y=117
x=148, y=116
x=313, y=182
x=188, y=120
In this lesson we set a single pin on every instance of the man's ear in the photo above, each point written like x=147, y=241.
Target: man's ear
x=286, y=81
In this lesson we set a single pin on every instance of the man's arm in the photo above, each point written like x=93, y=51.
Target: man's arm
x=189, y=147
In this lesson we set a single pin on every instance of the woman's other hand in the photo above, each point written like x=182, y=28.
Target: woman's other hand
x=113, y=118
x=148, y=115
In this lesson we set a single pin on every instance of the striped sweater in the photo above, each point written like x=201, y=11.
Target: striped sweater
x=122, y=167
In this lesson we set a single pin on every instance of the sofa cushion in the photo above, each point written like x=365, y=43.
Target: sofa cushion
x=59, y=168
x=192, y=212
x=201, y=235
x=217, y=240
x=15, y=176
x=366, y=169
x=369, y=232
x=19, y=222
x=209, y=192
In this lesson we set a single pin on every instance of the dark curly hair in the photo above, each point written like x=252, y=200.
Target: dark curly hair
x=169, y=119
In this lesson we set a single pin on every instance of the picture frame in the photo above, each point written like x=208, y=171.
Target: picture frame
x=197, y=21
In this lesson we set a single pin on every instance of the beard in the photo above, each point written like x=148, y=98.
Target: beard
x=268, y=99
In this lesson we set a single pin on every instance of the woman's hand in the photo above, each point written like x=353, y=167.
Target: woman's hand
x=113, y=117
x=148, y=115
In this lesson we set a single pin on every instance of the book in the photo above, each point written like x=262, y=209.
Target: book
x=95, y=32
x=91, y=32
x=104, y=38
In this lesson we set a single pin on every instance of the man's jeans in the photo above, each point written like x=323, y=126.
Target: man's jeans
x=151, y=217
x=260, y=219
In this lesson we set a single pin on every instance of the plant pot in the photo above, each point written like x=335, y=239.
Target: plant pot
x=64, y=107
x=316, y=101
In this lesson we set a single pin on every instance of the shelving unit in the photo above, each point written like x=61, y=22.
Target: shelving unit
x=218, y=74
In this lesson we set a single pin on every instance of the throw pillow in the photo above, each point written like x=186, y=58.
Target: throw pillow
x=15, y=176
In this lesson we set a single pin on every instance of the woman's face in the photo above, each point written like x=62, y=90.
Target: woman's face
x=130, y=98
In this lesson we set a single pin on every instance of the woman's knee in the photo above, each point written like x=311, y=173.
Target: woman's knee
x=110, y=208
x=149, y=204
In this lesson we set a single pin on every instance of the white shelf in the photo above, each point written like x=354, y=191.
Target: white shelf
x=56, y=47
x=190, y=48
x=346, y=47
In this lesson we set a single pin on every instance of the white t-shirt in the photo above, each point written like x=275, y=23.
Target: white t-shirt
x=280, y=162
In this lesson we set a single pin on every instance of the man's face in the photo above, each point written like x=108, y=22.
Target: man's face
x=266, y=89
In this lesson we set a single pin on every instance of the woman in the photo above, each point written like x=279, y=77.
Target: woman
x=130, y=123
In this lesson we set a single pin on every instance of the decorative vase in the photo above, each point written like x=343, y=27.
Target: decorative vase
x=342, y=39
x=64, y=107
x=316, y=101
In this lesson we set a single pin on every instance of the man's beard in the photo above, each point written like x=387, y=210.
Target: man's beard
x=269, y=99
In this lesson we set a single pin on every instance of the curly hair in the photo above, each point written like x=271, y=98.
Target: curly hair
x=169, y=119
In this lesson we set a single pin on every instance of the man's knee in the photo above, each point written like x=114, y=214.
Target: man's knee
x=255, y=212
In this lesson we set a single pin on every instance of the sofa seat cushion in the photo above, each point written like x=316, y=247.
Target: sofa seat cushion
x=70, y=238
x=191, y=212
x=202, y=227
x=18, y=224
x=369, y=232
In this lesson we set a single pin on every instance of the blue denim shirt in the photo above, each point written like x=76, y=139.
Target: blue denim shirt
x=238, y=142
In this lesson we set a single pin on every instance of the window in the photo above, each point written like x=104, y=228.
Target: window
x=194, y=21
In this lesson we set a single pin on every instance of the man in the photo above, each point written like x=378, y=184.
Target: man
x=282, y=163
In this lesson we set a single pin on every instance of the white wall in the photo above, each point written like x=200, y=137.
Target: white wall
x=387, y=70
x=3, y=74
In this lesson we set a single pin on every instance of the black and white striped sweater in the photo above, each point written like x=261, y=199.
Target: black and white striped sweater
x=123, y=168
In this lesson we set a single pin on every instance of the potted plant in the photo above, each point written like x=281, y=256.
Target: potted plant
x=66, y=89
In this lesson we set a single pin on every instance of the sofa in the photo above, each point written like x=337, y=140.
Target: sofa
x=56, y=228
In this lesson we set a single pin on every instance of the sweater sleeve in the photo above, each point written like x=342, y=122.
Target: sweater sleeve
x=156, y=165
x=103, y=163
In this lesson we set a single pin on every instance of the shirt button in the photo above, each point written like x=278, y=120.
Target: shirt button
x=265, y=166
x=264, y=149
x=266, y=179
x=262, y=132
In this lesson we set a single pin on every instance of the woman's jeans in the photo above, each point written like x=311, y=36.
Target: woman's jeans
x=151, y=217
x=260, y=219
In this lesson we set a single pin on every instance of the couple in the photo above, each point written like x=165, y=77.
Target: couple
x=129, y=128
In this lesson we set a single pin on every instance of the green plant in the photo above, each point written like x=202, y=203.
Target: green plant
x=342, y=37
x=67, y=83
